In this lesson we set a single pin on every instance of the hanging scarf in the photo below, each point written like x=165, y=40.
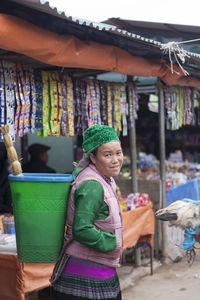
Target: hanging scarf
x=2, y=100
x=20, y=114
x=54, y=104
x=18, y=107
x=77, y=106
x=39, y=99
x=103, y=107
x=70, y=107
x=45, y=105
x=112, y=89
x=118, y=113
x=24, y=78
x=97, y=101
x=64, y=107
x=10, y=97
x=109, y=105
x=181, y=106
x=32, y=100
x=124, y=110
x=82, y=95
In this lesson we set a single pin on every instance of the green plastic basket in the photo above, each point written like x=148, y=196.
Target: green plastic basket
x=39, y=205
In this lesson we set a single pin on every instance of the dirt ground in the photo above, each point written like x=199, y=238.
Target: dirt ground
x=174, y=281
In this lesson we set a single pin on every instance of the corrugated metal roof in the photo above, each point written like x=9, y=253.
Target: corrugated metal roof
x=45, y=6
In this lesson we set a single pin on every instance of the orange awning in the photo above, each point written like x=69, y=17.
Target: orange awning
x=68, y=51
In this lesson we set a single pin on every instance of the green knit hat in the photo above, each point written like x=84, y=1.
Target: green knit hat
x=98, y=135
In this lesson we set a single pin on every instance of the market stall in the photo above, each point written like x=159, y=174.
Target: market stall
x=76, y=101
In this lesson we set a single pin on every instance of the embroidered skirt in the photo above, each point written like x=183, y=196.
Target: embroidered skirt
x=82, y=279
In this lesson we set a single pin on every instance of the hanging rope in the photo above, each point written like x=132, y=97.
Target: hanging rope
x=179, y=53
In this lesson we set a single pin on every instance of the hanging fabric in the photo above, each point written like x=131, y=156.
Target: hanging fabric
x=18, y=102
x=9, y=96
x=181, y=106
x=112, y=89
x=124, y=108
x=2, y=100
x=133, y=104
x=103, y=97
x=172, y=106
x=38, y=99
x=33, y=103
x=70, y=107
x=24, y=78
x=109, y=105
x=45, y=105
x=118, y=112
x=96, y=101
x=64, y=107
x=54, y=103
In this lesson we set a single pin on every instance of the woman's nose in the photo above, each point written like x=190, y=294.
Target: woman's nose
x=114, y=159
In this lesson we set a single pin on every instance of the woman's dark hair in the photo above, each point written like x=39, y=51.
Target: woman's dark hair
x=94, y=152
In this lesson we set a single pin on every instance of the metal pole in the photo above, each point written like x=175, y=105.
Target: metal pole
x=134, y=183
x=133, y=154
x=162, y=165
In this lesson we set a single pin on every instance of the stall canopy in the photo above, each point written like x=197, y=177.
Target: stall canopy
x=59, y=40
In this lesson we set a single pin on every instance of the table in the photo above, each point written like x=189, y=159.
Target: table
x=138, y=228
x=137, y=223
x=17, y=278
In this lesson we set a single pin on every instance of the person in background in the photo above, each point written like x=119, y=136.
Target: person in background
x=5, y=192
x=38, y=160
x=92, y=248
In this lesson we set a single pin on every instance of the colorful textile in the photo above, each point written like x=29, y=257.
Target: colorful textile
x=78, y=104
x=124, y=109
x=2, y=100
x=133, y=104
x=32, y=100
x=109, y=105
x=45, y=105
x=39, y=99
x=88, y=280
x=54, y=103
x=103, y=97
x=70, y=107
x=118, y=113
x=9, y=96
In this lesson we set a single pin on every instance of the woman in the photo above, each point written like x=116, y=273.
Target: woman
x=94, y=225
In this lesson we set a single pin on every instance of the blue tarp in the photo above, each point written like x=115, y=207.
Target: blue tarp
x=190, y=189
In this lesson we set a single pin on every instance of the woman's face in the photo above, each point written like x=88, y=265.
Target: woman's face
x=108, y=159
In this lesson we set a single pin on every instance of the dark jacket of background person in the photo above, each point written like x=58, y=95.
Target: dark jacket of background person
x=38, y=160
x=5, y=192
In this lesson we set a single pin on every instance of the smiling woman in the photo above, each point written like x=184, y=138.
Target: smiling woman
x=93, y=241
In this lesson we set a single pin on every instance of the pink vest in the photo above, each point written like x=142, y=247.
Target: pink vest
x=113, y=223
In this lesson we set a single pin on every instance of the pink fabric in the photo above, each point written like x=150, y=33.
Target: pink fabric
x=113, y=223
x=83, y=268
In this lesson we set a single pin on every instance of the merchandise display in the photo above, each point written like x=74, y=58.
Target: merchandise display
x=177, y=170
x=51, y=103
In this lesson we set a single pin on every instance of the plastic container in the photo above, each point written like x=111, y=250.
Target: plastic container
x=39, y=206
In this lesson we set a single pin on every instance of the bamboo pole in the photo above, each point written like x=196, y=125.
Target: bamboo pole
x=15, y=165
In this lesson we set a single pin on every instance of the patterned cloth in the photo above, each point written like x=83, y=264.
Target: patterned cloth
x=83, y=279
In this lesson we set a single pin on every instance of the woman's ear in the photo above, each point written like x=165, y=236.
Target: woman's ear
x=92, y=158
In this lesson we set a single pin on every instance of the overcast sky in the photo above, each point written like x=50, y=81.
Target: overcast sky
x=186, y=12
